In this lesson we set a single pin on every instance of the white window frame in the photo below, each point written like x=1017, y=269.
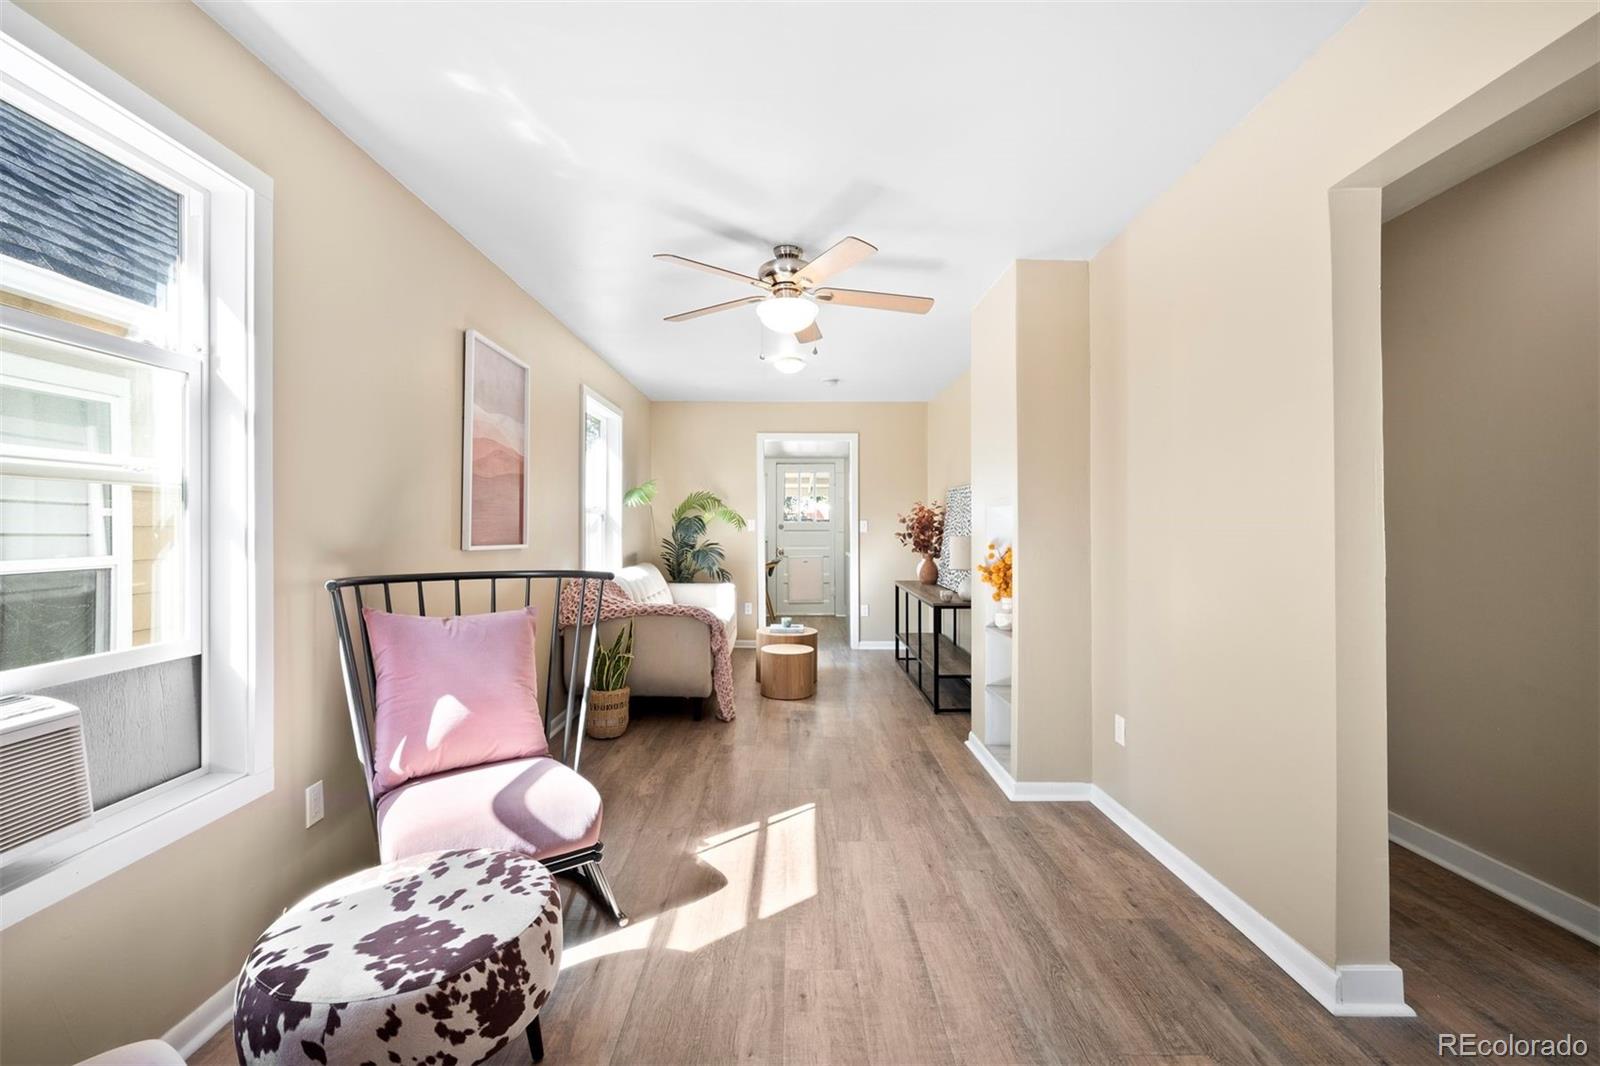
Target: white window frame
x=225, y=341
x=607, y=555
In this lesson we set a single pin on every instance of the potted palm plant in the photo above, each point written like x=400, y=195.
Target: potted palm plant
x=688, y=552
x=609, y=692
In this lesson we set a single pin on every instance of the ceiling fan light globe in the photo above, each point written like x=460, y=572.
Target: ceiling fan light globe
x=785, y=313
x=789, y=364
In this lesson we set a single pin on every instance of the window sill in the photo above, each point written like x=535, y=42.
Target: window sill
x=121, y=836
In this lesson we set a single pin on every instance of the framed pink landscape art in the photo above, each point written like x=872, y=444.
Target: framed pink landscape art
x=494, y=448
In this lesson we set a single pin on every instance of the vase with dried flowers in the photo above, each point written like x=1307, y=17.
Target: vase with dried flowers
x=922, y=530
x=995, y=570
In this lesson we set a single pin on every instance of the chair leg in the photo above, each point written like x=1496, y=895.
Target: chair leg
x=602, y=888
x=536, y=1041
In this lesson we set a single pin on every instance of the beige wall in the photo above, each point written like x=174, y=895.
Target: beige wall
x=1212, y=447
x=1050, y=683
x=713, y=446
x=949, y=447
x=372, y=293
x=1491, y=351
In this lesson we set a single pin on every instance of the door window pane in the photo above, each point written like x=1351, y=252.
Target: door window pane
x=807, y=496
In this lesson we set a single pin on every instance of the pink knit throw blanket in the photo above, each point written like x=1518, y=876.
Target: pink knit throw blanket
x=618, y=605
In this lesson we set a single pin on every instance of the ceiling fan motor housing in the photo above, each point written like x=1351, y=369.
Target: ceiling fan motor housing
x=785, y=263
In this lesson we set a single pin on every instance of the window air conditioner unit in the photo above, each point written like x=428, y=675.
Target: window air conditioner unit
x=44, y=773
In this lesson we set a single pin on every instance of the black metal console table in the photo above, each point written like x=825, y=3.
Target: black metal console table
x=944, y=668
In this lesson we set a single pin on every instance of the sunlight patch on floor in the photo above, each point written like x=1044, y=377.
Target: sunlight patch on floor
x=789, y=862
x=710, y=918
x=635, y=937
x=766, y=868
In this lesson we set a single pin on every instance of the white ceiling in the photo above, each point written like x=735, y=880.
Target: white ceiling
x=571, y=141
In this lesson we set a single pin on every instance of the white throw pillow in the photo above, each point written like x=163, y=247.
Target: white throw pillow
x=644, y=584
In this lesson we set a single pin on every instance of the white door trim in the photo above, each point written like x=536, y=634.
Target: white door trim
x=853, y=567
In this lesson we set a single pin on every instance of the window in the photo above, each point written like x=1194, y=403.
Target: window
x=134, y=453
x=602, y=483
x=808, y=497
x=94, y=531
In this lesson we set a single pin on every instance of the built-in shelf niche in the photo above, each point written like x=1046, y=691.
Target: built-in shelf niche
x=997, y=648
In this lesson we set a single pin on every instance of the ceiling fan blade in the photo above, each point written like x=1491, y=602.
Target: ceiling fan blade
x=847, y=253
x=695, y=264
x=714, y=308
x=810, y=335
x=878, y=301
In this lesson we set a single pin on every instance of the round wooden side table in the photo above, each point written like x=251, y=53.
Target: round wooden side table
x=791, y=672
x=806, y=636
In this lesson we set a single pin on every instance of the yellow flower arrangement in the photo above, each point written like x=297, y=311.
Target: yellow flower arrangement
x=996, y=571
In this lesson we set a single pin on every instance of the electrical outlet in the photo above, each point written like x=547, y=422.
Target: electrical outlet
x=313, y=804
x=749, y=609
x=863, y=610
x=1120, y=729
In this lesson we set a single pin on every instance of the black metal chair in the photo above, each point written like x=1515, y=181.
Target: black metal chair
x=349, y=596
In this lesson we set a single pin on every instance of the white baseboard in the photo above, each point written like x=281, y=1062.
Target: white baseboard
x=1367, y=991
x=1526, y=891
x=1026, y=791
x=875, y=645
x=747, y=644
x=202, y=1023
x=1375, y=990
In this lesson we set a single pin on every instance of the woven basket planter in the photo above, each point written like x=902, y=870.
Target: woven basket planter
x=608, y=713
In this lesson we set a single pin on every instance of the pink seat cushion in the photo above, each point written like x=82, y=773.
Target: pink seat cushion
x=535, y=806
x=452, y=692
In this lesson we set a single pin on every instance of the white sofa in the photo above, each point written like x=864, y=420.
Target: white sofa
x=671, y=656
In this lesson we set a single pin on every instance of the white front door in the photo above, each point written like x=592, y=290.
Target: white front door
x=803, y=501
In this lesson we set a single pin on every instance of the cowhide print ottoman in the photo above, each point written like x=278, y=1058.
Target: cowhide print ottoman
x=438, y=959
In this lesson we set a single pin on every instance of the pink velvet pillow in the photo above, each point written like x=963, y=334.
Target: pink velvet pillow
x=452, y=692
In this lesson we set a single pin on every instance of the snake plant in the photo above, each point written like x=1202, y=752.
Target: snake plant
x=611, y=664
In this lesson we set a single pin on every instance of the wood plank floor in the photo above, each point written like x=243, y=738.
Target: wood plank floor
x=837, y=881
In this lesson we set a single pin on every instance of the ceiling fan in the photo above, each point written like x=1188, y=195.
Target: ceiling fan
x=792, y=288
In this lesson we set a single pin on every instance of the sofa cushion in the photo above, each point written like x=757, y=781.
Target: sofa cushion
x=452, y=692
x=537, y=807
x=643, y=584
x=718, y=597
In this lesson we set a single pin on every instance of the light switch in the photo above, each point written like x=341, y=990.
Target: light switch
x=863, y=525
x=1119, y=727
